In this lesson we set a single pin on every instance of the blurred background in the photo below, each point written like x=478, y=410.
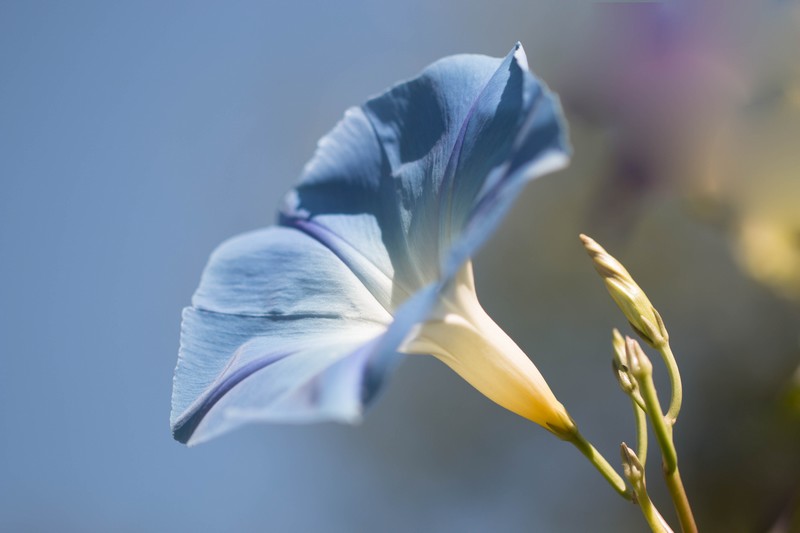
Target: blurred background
x=135, y=137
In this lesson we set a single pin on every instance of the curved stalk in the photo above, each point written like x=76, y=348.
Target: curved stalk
x=600, y=463
x=675, y=382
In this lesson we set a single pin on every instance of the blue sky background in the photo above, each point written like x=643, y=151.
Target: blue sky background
x=134, y=137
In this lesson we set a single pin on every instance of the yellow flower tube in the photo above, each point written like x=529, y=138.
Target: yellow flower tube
x=462, y=335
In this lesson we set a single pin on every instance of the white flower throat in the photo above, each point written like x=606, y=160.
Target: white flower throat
x=465, y=338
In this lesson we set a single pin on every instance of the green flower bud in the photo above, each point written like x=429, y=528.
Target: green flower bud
x=630, y=298
x=632, y=467
x=620, y=364
x=638, y=362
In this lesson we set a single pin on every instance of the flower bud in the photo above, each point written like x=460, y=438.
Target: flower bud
x=638, y=362
x=631, y=466
x=620, y=364
x=630, y=298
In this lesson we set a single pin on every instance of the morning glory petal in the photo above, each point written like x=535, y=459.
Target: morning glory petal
x=300, y=370
x=364, y=186
x=514, y=133
x=276, y=283
x=346, y=201
x=328, y=374
x=304, y=321
x=403, y=178
x=282, y=329
x=277, y=272
x=504, y=129
x=284, y=377
x=418, y=124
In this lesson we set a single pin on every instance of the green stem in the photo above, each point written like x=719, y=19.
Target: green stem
x=651, y=514
x=600, y=463
x=634, y=472
x=681, y=502
x=663, y=432
x=675, y=381
x=641, y=432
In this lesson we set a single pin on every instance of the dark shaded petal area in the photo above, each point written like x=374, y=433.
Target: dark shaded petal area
x=420, y=176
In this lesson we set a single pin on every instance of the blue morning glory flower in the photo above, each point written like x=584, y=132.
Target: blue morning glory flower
x=370, y=259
